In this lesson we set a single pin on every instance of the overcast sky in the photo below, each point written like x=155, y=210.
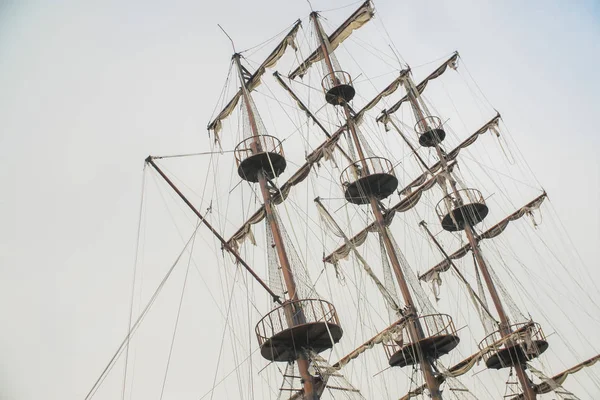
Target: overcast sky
x=89, y=88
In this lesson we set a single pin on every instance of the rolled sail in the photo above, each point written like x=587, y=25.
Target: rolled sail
x=254, y=80
x=360, y=17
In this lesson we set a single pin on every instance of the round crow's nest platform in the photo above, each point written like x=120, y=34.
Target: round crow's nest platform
x=286, y=345
x=338, y=88
x=258, y=155
x=432, y=137
x=340, y=94
x=377, y=180
x=471, y=211
x=309, y=324
x=431, y=131
x=429, y=348
x=513, y=355
x=526, y=342
x=438, y=338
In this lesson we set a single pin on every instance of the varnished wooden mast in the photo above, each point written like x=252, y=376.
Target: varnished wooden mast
x=274, y=225
x=415, y=326
x=469, y=231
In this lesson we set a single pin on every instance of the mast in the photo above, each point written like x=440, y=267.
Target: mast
x=431, y=135
x=257, y=148
x=339, y=92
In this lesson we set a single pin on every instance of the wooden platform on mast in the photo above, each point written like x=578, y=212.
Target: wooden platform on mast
x=439, y=338
x=379, y=183
x=526, y=342
x=260, y=155
x=471, y=212
x=431, y=131
x=286, y=345
x=338, y=88
x=515, y=355
x=429, y=348
x=309, y=324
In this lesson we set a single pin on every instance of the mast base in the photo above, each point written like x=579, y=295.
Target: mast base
x=286, y=345
x=252, y=167
x=430, y=348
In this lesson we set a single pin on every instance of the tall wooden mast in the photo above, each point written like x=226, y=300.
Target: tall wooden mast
x=288, y=332
x=463, y=216
x=339, y=92
x=257, y=149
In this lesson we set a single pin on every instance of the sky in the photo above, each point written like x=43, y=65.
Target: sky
x=89, y=88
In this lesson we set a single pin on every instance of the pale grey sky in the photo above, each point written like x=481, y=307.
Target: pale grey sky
x=89, y=88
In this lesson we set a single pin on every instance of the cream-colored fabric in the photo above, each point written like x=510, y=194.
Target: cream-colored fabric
x=391, y=88
x=254, y=81
x=356, y=20
x=324, y=150
x=494, y=231
x=337, y=231
x=451, y=62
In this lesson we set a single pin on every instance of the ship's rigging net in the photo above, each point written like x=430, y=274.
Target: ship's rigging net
x=335, y=382
x=304, y=285
x=248, y=130
x=425, y=307
x=275, y=279
x=513, y=310
x=388, y=278
x=489, y=325
x=387, y=291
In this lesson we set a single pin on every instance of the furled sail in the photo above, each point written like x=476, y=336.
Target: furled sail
x=324, y=151
x=413, y=192
x=451, y=62
x=357, y=240
x=254, y=80
x=360, y=17
x=391, y=88
x=557, y=380
x=494, y=231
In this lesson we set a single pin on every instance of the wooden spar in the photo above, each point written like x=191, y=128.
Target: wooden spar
x=388, y=297
x=344, y=360
x=414, y=326
x=410, y=145
x=226, y=246
x=540, y=388
x=435, y=74
x=441, y=265
x=254, y=79
x=505, y=328
x=284, y=262
x=460, y=275
x=307, y=111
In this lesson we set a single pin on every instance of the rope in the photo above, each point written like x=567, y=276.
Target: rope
x=135, y=262
x=137, y=323
x=187, y=271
